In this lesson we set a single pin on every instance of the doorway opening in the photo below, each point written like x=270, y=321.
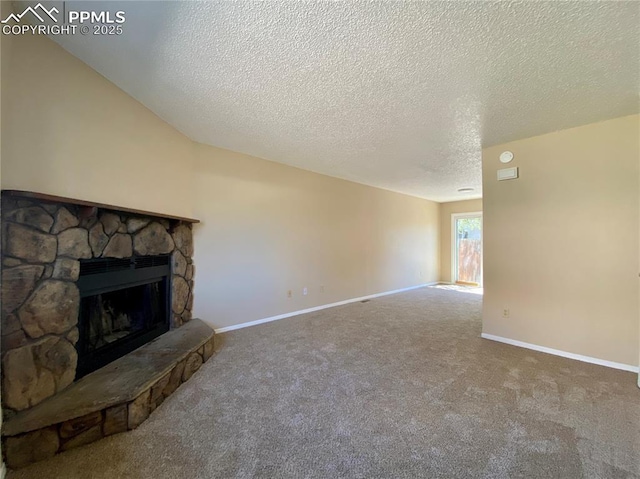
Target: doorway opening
x=467, y=248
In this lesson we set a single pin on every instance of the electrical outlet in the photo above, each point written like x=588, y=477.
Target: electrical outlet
x=304, y=291
x=289, y=294
x=322, y=288
x=505, y=312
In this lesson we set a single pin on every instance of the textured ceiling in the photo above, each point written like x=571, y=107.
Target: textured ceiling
x=399, y=95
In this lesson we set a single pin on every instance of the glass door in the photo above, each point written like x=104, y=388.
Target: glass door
x=467, y=248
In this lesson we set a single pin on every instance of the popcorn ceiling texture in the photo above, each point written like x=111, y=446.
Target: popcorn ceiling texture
x=398, y=95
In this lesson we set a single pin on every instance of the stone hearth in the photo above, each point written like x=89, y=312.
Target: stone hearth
x=44, y=240
x=116, y=398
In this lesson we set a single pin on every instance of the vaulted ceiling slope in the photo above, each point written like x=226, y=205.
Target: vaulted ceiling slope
x=398, y=95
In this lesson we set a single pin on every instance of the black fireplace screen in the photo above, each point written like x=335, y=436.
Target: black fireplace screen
x=118, y=314
x=124, y=304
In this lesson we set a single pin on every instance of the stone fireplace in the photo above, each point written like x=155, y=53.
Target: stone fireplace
x=84, y=284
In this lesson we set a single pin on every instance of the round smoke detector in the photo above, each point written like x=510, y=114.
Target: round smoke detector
x=506, y=157
x=465, y=190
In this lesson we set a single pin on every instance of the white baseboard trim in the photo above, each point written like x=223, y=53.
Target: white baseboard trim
x=564, y=354
x=317, y=308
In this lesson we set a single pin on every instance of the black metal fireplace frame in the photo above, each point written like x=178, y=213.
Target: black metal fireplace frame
x=106, y=275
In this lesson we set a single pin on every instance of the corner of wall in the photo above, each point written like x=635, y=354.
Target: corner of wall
x=539, y=257
x=83, y=137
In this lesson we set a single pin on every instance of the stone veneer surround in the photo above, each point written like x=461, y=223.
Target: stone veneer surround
x=42, y=243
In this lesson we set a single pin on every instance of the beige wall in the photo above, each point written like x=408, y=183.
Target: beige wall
x=266, y=228
x=269, y=228
x=68, y=131
x=561, y=242
x=446, y=210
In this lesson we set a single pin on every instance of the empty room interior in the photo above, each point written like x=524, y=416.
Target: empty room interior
x=320, y=239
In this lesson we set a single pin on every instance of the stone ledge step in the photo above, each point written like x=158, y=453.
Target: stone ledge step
x=119, y=382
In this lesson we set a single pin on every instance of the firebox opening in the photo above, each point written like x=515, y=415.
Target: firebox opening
x=124, y=304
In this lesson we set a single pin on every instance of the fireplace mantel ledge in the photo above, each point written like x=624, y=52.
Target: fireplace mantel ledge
x=32, y=195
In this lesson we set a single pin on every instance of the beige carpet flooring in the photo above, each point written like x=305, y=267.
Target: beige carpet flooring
x=398, y=387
